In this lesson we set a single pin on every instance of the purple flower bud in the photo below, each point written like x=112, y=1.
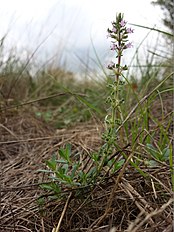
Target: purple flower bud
x=111, y=65
x=129, y=30
x=114, y=30
x=128, y=45
x=123, y=23
x=113, y=47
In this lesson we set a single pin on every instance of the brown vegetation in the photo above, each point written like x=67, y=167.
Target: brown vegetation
x=125, y=202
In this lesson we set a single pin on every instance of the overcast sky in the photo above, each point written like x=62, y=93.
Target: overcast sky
x=71, y=25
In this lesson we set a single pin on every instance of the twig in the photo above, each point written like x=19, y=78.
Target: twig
x=30, y=140
x=39, y=99
x=13, y=219
x=142, y=205
x=153, y=187
x=43, y=227
x=149, y=216
x=63, y=213
x=99, y=220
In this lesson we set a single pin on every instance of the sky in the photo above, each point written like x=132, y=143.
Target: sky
x=70, y=30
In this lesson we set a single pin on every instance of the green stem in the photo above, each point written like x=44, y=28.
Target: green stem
x=116, y=91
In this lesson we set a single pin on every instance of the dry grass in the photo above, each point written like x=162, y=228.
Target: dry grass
x=124, y=202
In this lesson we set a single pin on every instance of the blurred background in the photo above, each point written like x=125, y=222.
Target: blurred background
x=58, y=46
x=72, y=33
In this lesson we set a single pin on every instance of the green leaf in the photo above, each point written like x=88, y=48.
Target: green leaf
x=74, y=169
x=62, y=153
x=54, y=197
x=56, y=187
x=51, y=187
x=46, y=187
x=119, y=164
x=60, y=172
x=153, y=151
x=47, y=115
x=91, y=172
x=38, y=114
x=151, y=163
x=83, y=177
x=67, y=179
x=166, y=154
x=68, y=152
x=55, y=178
x=65, y=167
x=52, y=164
x=61, y=161
x=95, y=157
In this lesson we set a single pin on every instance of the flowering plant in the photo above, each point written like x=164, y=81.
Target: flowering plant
x=119, y=35
x=66, y=171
